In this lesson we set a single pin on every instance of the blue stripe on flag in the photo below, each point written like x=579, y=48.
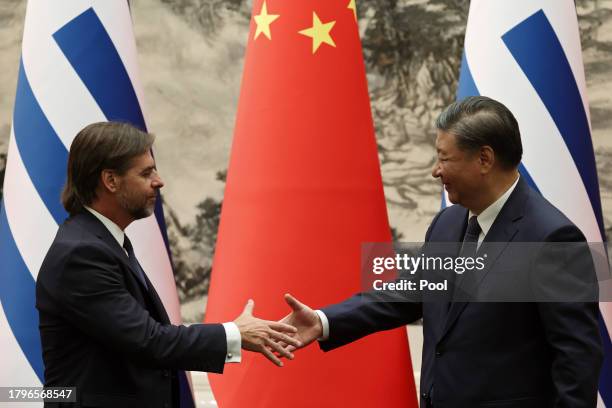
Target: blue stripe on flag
x=534, y=45
x=18, y=297
x=185, y=396
x=605, y=378
x=161, y=221
x=41, y=150
x=527, y=177
x=90, y=50
x=102, y=71
x=467, y=87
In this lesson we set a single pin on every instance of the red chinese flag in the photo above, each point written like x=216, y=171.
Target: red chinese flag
x=304, y=191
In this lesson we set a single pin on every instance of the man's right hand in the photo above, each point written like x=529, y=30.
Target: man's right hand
x=265, y=336
x=305, y=320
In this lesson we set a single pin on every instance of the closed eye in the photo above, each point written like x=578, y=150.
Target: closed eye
x=148, y=171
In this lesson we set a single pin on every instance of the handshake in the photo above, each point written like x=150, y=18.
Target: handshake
x=279, y=339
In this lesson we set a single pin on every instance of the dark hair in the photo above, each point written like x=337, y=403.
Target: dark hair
x=478, y=121
x=100, y=146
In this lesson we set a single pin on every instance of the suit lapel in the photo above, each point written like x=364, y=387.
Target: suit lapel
x=90, y=223
x=446, y=242
x=157, y=302
x=454, y=234
x=93, y=225
x=495, y=242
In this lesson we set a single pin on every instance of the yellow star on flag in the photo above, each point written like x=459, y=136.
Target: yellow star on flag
x=353, y=7
x=319, y=32
x=263, y=21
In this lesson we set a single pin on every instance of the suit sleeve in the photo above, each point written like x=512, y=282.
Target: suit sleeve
x=572, y=331
x=92, y=295
x=370, y=312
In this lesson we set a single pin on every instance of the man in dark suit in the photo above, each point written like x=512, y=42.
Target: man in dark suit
x=104, y=329
x=487, y=353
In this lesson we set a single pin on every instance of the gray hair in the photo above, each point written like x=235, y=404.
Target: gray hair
x=478, y=121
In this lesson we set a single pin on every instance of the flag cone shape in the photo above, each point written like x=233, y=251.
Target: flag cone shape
x=527, y=55
x=303, y=192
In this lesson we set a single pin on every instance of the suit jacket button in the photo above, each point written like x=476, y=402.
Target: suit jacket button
x=165, y=373
x=425, y=395
x=438, y=353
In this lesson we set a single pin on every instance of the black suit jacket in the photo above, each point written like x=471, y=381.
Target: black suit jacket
x=104, y=333
x=483, y=354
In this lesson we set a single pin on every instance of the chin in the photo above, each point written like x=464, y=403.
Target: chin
x=142, y=213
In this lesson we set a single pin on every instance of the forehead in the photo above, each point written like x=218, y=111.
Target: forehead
x=142, y=161
x=445, y=141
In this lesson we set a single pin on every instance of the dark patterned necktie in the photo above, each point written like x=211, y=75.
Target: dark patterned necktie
x=127, y=245
x=470, y=239
x=469, y=247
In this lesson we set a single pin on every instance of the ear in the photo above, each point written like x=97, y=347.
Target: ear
x=109, y=180
x=486, y=159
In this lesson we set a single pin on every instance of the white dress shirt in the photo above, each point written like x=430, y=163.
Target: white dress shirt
x=487, y=217
x=485, y=220
x=232, y=334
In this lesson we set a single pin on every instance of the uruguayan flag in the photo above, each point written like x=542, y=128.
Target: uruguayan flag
x=527, y=55
x=78, y=66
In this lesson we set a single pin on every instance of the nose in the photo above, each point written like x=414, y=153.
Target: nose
x=436, y=170
x=157, y=182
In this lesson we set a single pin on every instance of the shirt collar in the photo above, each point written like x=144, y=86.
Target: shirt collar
x=113, y=228
x=488, y=216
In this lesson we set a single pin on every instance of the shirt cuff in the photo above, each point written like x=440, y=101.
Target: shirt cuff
x=234, y=343
x=325, y=324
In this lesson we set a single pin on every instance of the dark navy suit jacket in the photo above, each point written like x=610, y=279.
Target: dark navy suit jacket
x=104, y=333
x=502, y=354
